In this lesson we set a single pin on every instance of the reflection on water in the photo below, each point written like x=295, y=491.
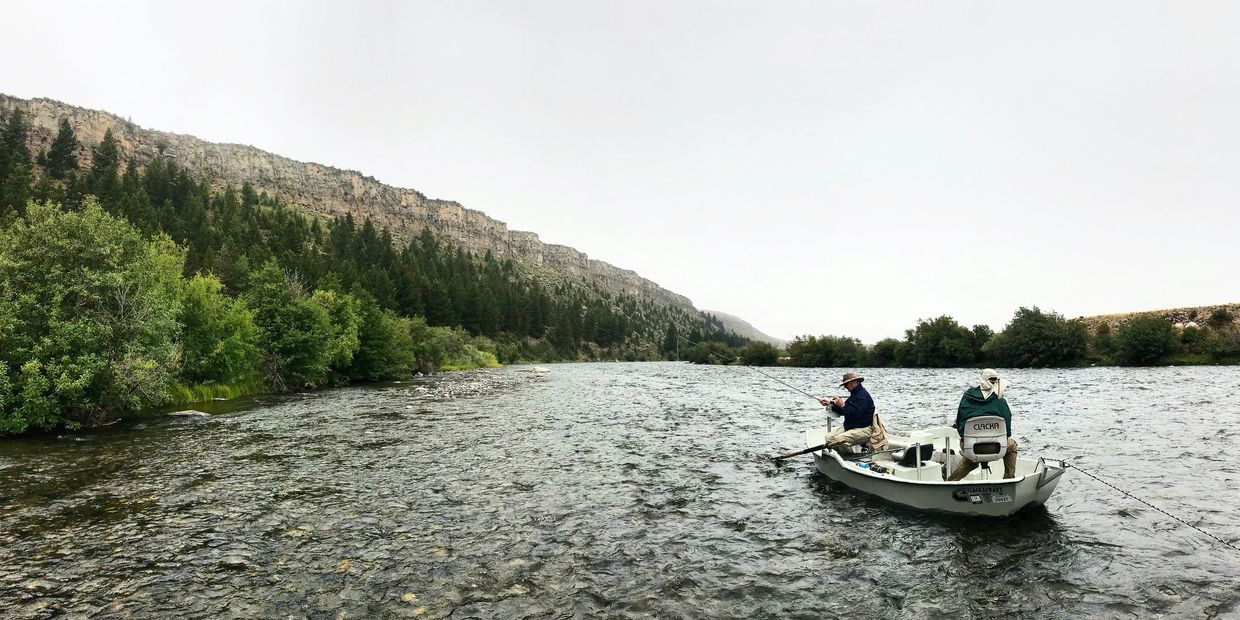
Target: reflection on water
x=617, y=490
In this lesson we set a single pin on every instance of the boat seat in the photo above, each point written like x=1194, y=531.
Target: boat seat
x=984, y=439
x=907, y=457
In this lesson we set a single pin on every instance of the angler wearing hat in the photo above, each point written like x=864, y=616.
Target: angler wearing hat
x=860, y=420
x=986, y=399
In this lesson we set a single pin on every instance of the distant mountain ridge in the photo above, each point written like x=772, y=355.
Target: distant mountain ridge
x=324, y=191
x=743, y=328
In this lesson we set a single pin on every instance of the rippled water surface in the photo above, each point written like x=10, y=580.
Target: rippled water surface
x=618, y=490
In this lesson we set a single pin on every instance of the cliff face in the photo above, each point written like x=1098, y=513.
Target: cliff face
x=324, y=191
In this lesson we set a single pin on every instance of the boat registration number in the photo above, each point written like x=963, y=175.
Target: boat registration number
x=981, y=495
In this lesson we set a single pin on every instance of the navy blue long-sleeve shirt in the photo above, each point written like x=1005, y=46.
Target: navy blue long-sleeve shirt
x=858, y=410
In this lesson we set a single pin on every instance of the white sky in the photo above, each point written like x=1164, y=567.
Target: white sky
x=813, y=167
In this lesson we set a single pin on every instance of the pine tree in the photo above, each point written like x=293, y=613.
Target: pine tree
x=62, y=156
x=105, y=167
x=16, y=175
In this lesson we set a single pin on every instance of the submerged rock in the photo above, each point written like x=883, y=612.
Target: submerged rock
x=190, y=413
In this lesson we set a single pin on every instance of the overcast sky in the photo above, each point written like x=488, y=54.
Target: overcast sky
x=813, y=167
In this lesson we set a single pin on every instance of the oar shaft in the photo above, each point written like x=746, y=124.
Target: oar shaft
x=800, y=452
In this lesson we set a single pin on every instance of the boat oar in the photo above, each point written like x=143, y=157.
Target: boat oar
x=847, y=457
x=798, y=453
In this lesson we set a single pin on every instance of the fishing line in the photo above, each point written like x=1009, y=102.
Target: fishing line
x=1087, y=473
x=753, y=368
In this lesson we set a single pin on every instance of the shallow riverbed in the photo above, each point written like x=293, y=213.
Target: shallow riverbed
x=617, y=490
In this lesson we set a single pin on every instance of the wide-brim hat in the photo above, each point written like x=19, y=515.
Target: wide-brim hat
x=851, y=376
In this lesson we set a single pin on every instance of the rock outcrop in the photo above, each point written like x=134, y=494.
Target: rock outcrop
x=1198, y=315
x=324, y=191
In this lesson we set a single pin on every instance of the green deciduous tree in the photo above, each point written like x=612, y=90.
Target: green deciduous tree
x=345, y=319
x=759, y=354
x=385, y=344
x=886, y=352
x=89, y=316
x=220, y=338
x=1037, y=339
x=941, y=343
x=295, y=334
x=1143, y=341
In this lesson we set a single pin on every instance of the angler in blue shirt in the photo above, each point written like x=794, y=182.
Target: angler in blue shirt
x=858, y=412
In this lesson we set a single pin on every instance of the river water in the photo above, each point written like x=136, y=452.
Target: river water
x=618, y=490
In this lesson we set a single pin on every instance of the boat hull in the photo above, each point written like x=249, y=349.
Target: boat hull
x=975, y=495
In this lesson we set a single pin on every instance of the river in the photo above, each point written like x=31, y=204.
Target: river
x=618, y=490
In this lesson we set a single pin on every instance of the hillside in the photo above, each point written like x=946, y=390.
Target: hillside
x=324, y=192
x=744, y=329
x=1200, y=315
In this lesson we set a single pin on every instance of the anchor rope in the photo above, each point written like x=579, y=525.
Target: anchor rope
x=1087, y=473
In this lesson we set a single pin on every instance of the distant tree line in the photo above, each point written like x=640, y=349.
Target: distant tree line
x=1033, y=339
x=124, y=287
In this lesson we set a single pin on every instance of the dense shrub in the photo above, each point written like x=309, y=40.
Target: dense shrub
x=1144, y=341
x=825, y=351
x=886, y=352
x=296, y=334
x=220, y=339
x=1037, y=339
x=759, y=354
x=941, y=343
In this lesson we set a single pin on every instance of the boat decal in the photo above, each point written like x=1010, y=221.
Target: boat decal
x=981, y=495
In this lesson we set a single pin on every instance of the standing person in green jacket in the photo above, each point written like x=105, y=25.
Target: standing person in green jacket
x=986, y=399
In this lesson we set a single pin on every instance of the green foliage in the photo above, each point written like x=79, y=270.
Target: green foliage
x=16, y=174
x=220, y=338
x=710, y=352
x=385, y=344
x=246, y=320
x=345, y=319
x=887, y=352
x=62, y=156
x=1037, y=339
x=89, y=316
x=105, y=168
x=1102, y=346
x=1220, y=318
x=203, y=392
x=759, y=354
x=1144, y=341
x=825, y=351
x=296, y=335
x=941, y=343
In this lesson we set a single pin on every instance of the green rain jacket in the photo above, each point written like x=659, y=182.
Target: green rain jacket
x=972, y=405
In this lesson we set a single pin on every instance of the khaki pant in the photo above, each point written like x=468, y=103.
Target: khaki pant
x=1009, y=464
x=840, y=440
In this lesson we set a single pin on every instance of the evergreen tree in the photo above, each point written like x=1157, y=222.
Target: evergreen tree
x=104, y=170
x=16, y=175
x=62, y=156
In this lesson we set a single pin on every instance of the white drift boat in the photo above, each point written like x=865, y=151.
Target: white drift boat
x=898, y=476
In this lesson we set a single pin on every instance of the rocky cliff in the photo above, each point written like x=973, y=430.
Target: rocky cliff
x=324, y=191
